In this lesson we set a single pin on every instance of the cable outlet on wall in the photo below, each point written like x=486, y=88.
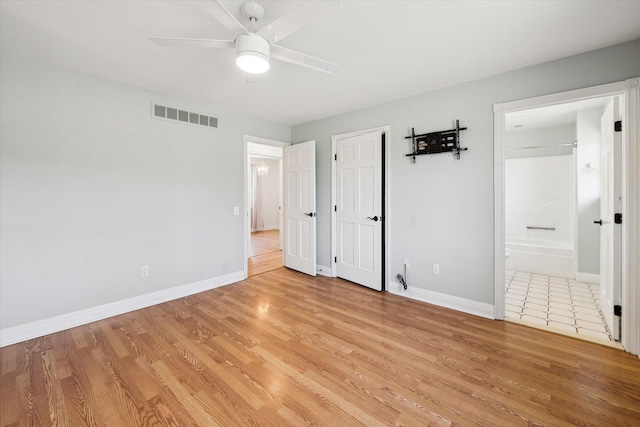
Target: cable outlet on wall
x=406, y=262
x=436, y=268
x=144, y=271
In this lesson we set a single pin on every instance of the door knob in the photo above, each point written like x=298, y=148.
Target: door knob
x=310, y=214
x=598, y=222
x=375, y=218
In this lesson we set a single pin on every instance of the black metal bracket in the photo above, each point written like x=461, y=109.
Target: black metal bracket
x=617, y=310
x=444, y=141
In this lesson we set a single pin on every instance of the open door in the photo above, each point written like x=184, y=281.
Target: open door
x=610, y=181
x=359, y=209
x=300, y=207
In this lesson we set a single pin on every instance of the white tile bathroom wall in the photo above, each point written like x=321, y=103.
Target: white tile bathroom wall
x=557, y=303
x=539, y=192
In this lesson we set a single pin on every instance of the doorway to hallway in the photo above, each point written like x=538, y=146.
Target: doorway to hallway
x=263, y=205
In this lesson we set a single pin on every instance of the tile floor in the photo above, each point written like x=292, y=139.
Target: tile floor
x=561, y=304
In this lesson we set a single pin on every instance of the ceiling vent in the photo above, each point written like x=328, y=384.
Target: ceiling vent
x=177, y=115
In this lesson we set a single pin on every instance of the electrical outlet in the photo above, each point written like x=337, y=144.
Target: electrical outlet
x=144, y=271
x=436, y=268
x=406, y=262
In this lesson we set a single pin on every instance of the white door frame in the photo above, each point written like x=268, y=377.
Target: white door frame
x=247, y=183
x=630, y=293
x=385, y=192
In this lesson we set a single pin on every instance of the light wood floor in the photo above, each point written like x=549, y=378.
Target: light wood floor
x=265, y=253
x=283, y=348
x=264, y=242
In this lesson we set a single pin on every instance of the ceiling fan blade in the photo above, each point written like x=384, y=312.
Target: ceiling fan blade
x=295, y=20
x=225, y=17
x=174, y=42
x=304, y=60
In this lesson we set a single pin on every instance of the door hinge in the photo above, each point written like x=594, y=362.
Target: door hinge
x=335, y=157
x=617, y=310
x=335, y=259
x=617, y=218
x=335, y=208
x=618, y=126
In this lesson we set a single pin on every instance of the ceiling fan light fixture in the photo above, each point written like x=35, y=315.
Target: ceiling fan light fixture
x=252, y=53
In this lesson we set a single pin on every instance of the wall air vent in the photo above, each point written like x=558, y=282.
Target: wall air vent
x=177, y=115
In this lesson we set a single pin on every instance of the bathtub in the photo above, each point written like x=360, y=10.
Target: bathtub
x=550, y=258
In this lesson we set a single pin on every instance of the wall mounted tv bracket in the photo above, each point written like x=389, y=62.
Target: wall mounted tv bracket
x=444, y=141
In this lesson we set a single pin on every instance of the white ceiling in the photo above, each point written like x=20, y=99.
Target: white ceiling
x=553, y=115
x=386, y=49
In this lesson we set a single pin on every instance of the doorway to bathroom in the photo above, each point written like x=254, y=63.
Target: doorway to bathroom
x=553, y=175
x=561, y=183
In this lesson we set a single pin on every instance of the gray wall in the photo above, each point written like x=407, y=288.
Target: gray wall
x=442, y=209
x=92, y=188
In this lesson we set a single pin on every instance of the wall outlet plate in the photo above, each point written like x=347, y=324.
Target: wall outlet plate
x=436, y=268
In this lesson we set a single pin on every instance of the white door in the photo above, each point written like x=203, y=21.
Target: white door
x=359, y=209
x=300, y=207
x=609, y=205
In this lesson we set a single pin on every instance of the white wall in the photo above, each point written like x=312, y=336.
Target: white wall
x=549, y=138
x=92, y=188
x=588, y=152
x=539, y=192
x=441, y=210
x=539, y=185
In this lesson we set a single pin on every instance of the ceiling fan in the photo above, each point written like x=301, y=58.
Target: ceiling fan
x=255, y=48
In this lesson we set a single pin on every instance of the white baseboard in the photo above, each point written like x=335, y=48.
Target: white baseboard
x=588, y=277
x=323, y=270
x=443, y=300
x=27, y=331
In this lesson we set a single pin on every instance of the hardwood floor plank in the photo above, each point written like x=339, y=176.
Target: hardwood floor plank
x=232, y=349
x=259, y=264
x=215, y=406
x=264, y=242
x=264, y=252
x=343, y=407
x=193, y=413
x=9, y=360
x=283, y=348
x=58, y=413
x=288, y=397
x=10, y=408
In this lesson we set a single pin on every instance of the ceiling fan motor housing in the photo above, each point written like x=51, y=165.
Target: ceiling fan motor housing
x=253, y=49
